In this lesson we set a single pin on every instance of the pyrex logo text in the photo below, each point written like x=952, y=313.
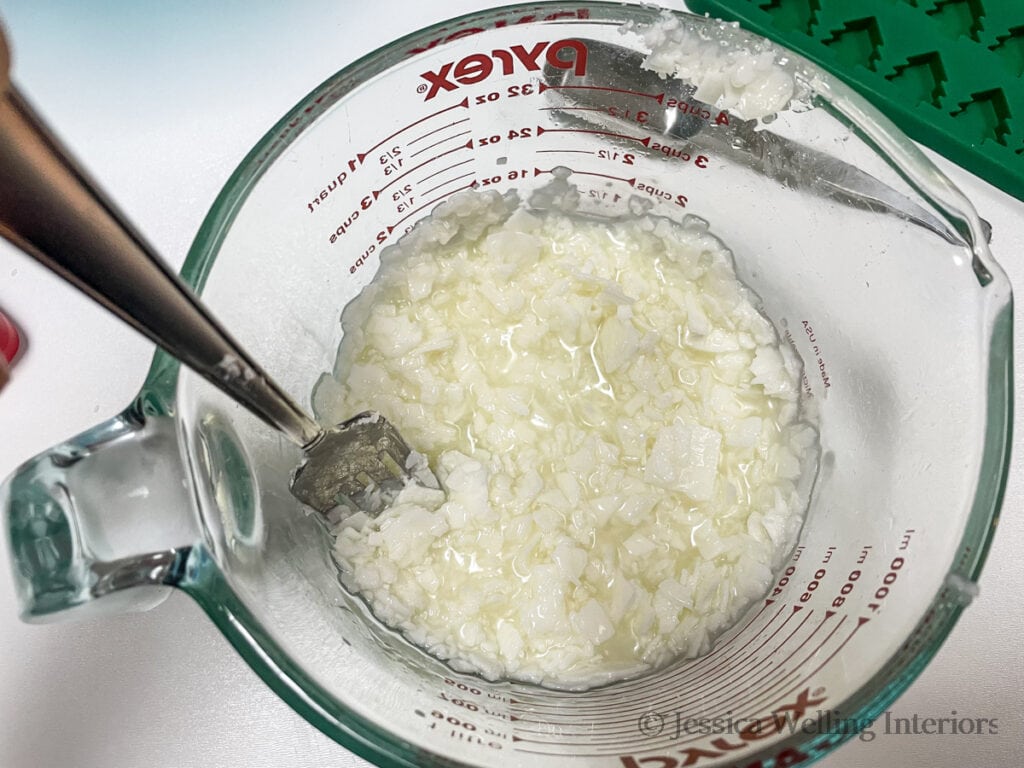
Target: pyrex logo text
x=477, y=67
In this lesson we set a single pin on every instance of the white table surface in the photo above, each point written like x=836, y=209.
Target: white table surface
x=161, y=101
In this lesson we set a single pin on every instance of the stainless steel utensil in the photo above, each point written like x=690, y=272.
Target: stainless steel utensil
x=50, y=209
x=744, y=141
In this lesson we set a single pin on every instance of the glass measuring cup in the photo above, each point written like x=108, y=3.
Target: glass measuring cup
x=275, y=592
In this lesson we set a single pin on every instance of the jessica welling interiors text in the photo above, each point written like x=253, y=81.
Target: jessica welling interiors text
x=829, y=721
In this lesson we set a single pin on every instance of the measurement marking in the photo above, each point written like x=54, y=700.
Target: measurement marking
x=757, y=615
x=431, y=133
x=570, y=151
x=467, y=145
x=674, y=680
x=361, y=156
x=574, y=109
x=678, y=711
x=438, y=173
x=727, y=661
x=646, y=140
x=800, y=665
x=456, y=178
x=669, y=737
x=650, y=705
x=613, y=749
x=744, y=660
x=730, y=661
x=394, y=226
x=761, y=683
x=642, y=684
x=860, y=623
x=728, y=645
x=710, y=690
x=785, y=661
x=516, y=740
x=585, y=729
x=574, y=753
x=631, y=182
x=658, y=97
x=697, y=664
x=442, y=141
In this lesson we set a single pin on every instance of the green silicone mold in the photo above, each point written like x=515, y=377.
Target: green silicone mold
x=950, y=73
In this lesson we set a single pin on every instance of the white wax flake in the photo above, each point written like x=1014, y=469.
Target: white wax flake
x=685, y=458
x=731, y=70
x=615, y=431
x=231, y=367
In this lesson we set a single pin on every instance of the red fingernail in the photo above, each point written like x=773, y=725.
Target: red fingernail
x=9, y=340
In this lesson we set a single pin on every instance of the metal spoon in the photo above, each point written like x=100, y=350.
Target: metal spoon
x=50, y=209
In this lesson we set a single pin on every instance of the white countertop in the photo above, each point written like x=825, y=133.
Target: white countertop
x=161, y=101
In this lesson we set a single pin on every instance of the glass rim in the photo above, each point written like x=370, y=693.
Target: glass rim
x=204, y=581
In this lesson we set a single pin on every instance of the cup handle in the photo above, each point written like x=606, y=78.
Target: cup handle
x=103, y=523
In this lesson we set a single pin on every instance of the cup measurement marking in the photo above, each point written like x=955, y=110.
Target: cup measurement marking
x=442, y=141
x=631, y=182
x=437, y=130
x=561, y=108
x=646, y=140
x=405, y=204
x=449, y=181
x=393, y=227
x=361, y=156
x=343, y=176
x=406, y=197
x=377, y=192
x=526, y=89
x=444, y=170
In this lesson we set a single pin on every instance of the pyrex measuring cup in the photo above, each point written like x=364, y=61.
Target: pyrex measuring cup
x=888, y=294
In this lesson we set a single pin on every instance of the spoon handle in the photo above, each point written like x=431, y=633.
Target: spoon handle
x=50, y=209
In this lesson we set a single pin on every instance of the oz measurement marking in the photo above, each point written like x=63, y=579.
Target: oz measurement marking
x=513, y=175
